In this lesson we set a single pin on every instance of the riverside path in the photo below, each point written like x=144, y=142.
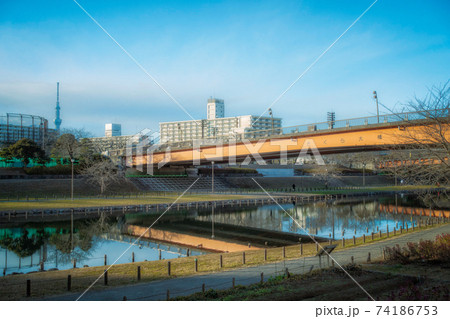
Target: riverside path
x=157, y=290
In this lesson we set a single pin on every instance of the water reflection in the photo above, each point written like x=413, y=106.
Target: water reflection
x=56, y=247
x=331, y=220
x=23, y=249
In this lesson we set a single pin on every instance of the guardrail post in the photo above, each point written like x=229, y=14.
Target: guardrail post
x=284, y=252
x=196, y=265
x=132, y=257
x=168, y=268
x=262, y=278
x=221, y=261
x=243, y=257
x=354, y=240
x=364, y=238
x=265, y=254
x=343, y=242
x=139, y=273
x=105, y=277
x=368, y=257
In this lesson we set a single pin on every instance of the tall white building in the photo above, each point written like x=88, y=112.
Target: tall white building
x=113, y=130
x=215, y=109
x=218, y=126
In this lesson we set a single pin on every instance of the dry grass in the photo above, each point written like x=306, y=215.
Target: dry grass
x=55, y=282
x=116, y=201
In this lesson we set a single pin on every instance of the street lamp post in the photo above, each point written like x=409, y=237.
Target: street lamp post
x=71, y=231
x=364, y=174
x=375, y=96
x=212, y=222
x=212, y=177
x=271, y=115
x=180, y=133
x=71, y=186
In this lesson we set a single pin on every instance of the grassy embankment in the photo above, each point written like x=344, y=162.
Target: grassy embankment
x=116, y=201
x=55, y=282
x=333, y=284
x=47, y=202
x=360, y=189
x=419, y=271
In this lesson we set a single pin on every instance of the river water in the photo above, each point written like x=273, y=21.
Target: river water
x=51, y=242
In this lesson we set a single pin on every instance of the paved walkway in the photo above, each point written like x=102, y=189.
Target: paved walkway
x=157, y=290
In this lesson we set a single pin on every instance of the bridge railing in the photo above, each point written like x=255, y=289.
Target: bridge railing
x=347, y=123
x=320, y=126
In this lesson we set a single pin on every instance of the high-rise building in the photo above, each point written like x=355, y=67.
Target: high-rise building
x=215, y=109
x=218, y=126
x=113, y=130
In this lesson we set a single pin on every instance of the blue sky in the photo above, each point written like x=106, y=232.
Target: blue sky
x=246, y=52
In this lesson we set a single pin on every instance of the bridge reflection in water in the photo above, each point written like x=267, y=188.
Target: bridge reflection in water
x=324, y=219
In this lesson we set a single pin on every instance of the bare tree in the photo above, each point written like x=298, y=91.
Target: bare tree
x=102, y=172
x=422, y=154
x=66, y=146
x=78, y=133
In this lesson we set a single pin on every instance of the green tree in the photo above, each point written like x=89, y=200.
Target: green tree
x=25, y=245
x=24, y=150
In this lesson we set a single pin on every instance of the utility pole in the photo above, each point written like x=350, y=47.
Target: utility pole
x=375, y=96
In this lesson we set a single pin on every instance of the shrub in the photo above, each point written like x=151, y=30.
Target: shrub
x=426, y=249
x=398, y=254
x=211, y=294
x=416, y=292
x=442, y=247
x=53, y=170
x=437, y=250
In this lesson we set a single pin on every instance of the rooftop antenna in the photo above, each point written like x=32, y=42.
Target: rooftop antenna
x=57, y=118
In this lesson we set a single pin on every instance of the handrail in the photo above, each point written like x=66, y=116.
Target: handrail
x=327, y=125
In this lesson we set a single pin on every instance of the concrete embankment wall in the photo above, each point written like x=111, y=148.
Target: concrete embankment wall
x=308, y=181
x=187, y=240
